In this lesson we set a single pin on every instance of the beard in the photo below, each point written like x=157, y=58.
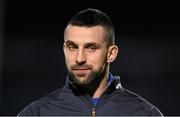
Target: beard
x=87, y=79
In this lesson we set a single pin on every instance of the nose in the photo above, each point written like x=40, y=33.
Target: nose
x=80, y=57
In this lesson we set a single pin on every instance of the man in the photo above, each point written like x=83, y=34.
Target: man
x=90, y=89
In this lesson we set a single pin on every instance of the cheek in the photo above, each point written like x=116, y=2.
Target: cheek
x=98, y=59
x=69, y=58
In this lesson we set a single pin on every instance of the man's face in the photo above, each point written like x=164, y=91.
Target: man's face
x=85, y=50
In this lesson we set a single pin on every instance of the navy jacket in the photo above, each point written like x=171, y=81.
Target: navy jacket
x=68, y=101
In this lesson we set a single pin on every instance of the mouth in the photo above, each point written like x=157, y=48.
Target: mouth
x=81, y=71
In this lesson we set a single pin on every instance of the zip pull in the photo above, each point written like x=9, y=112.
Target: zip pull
x=93, y=112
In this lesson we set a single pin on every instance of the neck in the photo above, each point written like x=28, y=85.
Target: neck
x=101, y=88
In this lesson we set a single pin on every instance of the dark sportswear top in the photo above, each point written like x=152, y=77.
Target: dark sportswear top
x=69, y=101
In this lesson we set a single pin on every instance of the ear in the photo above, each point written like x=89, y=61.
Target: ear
x=112, y=53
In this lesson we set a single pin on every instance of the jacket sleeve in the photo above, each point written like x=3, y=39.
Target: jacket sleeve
x=156, y=112
x=151, y=110
x=30, y=110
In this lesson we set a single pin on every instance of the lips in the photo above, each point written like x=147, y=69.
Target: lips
x=81, y=71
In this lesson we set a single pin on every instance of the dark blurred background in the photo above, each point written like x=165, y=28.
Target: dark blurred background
x=32, y=61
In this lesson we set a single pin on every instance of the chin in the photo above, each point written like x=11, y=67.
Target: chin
x=82, y=82
x=84, y=79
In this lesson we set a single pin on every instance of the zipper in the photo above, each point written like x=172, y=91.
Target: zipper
x=91, y=107
x=102, y=100
x=93, y=112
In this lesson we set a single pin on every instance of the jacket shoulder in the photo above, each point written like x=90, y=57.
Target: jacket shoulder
x=137, y=101
x=33, y=108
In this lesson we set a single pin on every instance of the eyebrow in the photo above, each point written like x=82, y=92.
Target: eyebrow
x=69, y=42
x=86, y=44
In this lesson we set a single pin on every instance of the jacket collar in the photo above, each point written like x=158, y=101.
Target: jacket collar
x=114, y=84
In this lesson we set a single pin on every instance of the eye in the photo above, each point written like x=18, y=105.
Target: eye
x=92, y=48
x=71, y=46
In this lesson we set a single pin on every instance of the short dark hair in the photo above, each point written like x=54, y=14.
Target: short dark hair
x=93, y=17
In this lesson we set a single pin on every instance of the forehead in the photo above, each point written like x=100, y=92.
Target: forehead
x=85, y=34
